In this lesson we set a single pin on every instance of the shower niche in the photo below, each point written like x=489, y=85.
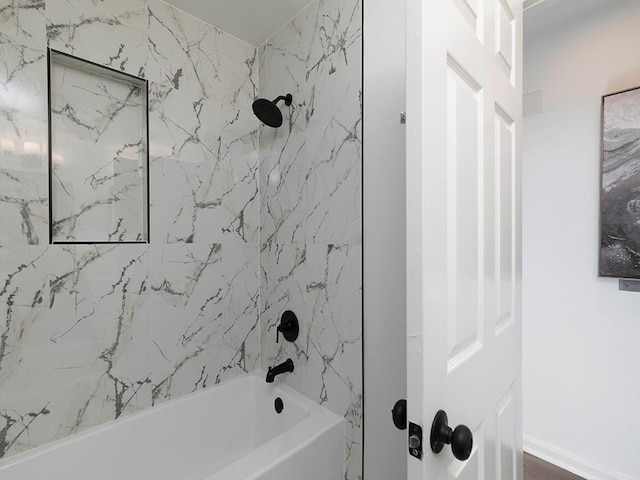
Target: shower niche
x=98, y=153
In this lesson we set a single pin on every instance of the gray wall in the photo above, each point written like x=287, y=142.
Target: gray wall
x=580, y=333
x=385, y=327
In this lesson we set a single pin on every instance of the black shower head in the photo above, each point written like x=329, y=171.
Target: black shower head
x=268, y=111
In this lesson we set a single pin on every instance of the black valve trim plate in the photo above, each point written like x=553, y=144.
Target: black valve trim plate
x=289, y=326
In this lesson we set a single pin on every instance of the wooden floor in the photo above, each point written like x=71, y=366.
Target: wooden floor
x=536, y=469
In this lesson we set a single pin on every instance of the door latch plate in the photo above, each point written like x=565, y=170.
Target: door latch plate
x=415, y=440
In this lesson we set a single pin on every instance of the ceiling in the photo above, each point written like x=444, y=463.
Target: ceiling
x=253, y=21
x=542, y=14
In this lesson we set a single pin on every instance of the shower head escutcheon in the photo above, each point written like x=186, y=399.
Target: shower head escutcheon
x=268, y=112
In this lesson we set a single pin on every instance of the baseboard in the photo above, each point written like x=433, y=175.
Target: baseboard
x=570, y=462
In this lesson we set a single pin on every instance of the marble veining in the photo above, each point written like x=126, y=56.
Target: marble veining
x=204, y=313
x=203, y=137
x=99, y=334
x=23, y=21
x=99, y=155
x=113, y=33
x=23, y=138
x=245, y=221
x=334, y=115
x=24, y=360
x=91, y=333
x=311, y=211
x=322, y=284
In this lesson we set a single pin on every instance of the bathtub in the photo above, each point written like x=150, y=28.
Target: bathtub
x=228, y=432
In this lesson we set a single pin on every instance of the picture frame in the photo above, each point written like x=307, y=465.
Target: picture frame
x=619, y=253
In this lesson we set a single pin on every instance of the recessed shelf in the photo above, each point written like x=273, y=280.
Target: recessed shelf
x=98, y=153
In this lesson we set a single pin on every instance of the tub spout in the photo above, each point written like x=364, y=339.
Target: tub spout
x=284, y=367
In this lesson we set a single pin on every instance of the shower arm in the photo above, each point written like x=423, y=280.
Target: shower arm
x=287, y=99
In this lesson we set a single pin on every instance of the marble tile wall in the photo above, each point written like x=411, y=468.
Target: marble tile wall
x=89, y=333
x=23, y=124
x=311, y=211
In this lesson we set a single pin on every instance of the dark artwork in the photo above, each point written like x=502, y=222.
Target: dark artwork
x=620, y=208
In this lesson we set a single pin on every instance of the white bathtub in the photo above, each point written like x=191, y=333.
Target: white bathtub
x=228, y=432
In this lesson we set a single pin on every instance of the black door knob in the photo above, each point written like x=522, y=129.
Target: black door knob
x=399, y=414
x=460, y=439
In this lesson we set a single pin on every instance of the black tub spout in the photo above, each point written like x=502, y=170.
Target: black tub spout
x=284, y=367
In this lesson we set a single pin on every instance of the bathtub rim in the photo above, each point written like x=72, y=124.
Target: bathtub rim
x=269, y=462
x=330, y=418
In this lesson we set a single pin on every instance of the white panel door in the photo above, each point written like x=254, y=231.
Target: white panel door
x=464, y=111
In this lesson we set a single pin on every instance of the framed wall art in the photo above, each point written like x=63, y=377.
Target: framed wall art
x=620, y=185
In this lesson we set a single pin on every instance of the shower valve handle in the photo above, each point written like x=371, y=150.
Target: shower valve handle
x=289, y=327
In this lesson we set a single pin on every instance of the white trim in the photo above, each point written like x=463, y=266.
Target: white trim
x=570, y=462
x=531, y=3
